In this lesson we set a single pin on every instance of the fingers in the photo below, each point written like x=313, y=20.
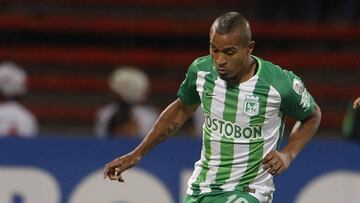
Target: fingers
x=107, y=171
x=113, y=174
x=268, y=157
x=275, y=168
x=111, y=171
x=273, y=164
x=114, y=169
x=118, y=175
x=270, y=160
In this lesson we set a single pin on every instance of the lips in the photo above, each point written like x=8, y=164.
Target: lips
x=222, y=71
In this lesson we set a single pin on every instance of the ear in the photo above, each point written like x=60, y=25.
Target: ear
x=251, y=47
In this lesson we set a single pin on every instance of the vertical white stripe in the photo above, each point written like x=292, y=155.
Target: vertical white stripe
x=195, y=174
x=217, y=109
x=200, y=81
x=272, y=121
x=241, y=151
x=271, y=130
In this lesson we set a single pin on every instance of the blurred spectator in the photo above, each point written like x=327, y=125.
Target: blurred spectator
x=351, y=124
x=128, y=115
x=15, y=119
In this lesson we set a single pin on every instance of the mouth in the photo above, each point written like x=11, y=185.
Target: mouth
x=222, y=71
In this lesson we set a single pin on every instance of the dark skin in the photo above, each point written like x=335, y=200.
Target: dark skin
x=232, y=56
x=278, y=161
x=168, y=123
x=356, y=103
x=233, y=61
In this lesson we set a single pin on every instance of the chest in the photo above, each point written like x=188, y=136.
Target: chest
x=253, y=101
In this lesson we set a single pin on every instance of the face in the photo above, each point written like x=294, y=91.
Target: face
x=231, y=56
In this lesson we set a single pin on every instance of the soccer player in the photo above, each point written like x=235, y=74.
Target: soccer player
x=244, y=99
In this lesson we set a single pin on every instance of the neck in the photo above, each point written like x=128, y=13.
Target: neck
x=247, y=72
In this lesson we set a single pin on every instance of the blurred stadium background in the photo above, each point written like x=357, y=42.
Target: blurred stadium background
x=69, y=47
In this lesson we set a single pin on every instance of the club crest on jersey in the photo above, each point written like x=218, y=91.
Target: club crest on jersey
x=251, y=105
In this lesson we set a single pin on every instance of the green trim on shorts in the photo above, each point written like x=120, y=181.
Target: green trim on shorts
x=221, y=197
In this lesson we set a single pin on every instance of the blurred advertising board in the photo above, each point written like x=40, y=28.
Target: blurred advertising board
x=69, y=170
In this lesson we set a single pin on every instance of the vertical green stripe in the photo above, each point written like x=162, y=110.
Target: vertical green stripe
x=202, y=176
x=227, y=144
x=254, y=160
x=281, y=133
x=208, y=89
x=256, y=148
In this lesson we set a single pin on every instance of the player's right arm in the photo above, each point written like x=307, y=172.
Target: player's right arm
x=168, y=123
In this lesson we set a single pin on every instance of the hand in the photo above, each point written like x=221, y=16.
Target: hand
x=276, y=162
x=114, y=169
x=357, y=103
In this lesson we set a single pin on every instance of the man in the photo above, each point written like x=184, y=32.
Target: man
x=15, y=119
x=244, y=99
x=128, y=114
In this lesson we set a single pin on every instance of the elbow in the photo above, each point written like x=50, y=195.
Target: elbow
x=318, y=112
x=316, y=116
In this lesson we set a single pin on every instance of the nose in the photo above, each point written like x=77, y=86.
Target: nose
x=220, y=59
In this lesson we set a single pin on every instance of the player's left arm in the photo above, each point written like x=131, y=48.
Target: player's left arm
x=299, y=104
x=278, y=161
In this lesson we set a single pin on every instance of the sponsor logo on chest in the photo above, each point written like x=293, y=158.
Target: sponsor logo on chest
x=232, y=130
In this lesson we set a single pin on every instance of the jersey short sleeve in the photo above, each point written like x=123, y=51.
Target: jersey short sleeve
x=297, y=101
x=187, y=91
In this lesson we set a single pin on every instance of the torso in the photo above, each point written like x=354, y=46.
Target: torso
x=243, y=123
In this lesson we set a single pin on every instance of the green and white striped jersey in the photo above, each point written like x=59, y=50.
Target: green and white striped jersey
x=242, y=124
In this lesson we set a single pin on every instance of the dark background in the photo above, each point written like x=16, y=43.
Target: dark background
x=69, y=47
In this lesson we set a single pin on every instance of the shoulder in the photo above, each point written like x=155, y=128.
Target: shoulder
x=16, y=110
x=204, y=63
x=281, y=79
x=269, y=71
x=201, y=64
x=28, y=115
x=105, y=112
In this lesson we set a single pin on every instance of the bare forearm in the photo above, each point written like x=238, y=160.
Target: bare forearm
x=168, y=123
x=302, y=134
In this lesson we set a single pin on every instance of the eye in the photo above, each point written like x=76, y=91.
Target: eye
x=214, y=50
x=230, y=53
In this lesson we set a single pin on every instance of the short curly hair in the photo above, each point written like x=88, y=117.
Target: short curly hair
x=231, y=21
